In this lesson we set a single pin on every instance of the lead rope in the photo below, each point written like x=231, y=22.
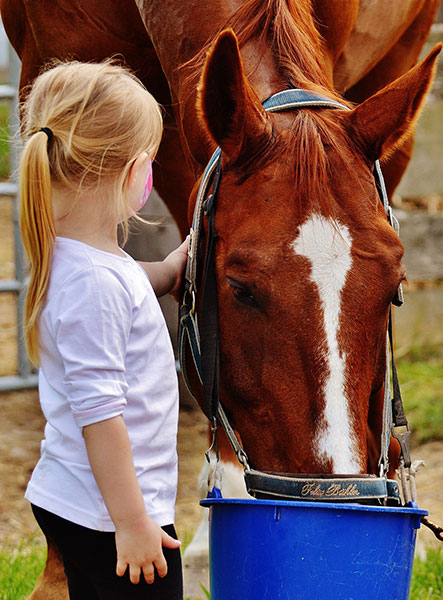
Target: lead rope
x=436, y=529
x=209, y=337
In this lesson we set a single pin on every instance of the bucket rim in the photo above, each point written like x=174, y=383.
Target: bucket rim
x=405, y=510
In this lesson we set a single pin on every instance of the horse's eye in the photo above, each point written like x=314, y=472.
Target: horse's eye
x=243, y=293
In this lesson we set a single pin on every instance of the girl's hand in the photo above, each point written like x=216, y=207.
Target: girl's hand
x=177, y=261
x=138, y=538
x=139, y=545
x=166, y=276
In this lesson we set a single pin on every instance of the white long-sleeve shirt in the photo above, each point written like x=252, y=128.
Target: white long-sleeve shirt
x=104, y=351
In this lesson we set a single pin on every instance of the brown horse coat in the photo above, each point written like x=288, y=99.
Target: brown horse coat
x=343, y=59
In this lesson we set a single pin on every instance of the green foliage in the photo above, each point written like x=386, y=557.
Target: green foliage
x=421, y=379
x=19, y=570
x=186, y=539
x=4, y=144
x=427, y=578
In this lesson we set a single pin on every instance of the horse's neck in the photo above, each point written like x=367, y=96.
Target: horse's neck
x=179, y=30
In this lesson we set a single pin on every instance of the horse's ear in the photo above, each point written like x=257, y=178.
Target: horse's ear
x=227, y=104
x=380, y=122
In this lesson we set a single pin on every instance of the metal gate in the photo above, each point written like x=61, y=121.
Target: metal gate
x=9, y=192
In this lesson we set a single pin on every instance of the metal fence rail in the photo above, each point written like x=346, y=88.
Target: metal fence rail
x=9, y=192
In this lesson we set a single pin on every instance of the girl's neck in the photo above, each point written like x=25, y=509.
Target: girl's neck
x=85, y=218
x=108, y=245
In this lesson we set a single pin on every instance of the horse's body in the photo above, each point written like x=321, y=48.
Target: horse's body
x=360, y=54
x=306, y=262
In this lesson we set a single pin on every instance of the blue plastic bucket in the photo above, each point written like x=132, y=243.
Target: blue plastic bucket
x=272, y=550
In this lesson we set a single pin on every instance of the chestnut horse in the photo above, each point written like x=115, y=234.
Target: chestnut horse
x=306, y=262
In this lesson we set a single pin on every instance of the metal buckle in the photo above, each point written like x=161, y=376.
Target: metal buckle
x=214, y=442
x=243, y=460
x=401, y=434
x=393, y=221
x=399, y=299
x=189, y=292
x=208, y=204
x=192, y=241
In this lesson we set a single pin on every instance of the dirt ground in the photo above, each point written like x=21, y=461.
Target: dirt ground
x=21, y=429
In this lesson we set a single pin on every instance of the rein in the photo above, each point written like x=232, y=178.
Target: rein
x=203, y=342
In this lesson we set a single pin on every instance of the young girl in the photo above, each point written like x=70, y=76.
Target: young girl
x=104, y=488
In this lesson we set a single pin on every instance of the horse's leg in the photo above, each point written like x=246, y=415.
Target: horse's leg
x=402, y=56
x=51, y=585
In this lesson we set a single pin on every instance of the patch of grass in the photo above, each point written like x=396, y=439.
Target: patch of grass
x=186, y=539
x=421, y=379
x=4, y=143
x=19, y=570
x=427, y=577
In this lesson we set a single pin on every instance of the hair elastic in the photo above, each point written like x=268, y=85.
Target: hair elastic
x=48, y=133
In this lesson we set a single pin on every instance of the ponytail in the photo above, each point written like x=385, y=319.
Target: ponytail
x=98, y=134
x=38, y=231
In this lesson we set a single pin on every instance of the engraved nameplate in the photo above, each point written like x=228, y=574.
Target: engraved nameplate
x=329, y=490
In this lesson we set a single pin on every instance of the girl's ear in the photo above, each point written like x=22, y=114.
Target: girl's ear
x=380, y=123
x=137, y=170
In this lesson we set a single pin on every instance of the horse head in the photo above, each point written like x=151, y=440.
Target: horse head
x=306, y=266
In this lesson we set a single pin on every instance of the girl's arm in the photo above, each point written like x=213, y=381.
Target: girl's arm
x=139, y=539
x=166, y=276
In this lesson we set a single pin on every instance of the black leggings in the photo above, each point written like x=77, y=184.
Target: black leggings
x=90, y=558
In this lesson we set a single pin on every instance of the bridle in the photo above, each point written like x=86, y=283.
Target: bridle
x=202, y=340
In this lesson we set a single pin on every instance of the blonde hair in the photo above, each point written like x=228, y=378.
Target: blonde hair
x=102, y=119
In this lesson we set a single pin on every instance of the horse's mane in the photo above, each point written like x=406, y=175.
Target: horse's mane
x=288, y=28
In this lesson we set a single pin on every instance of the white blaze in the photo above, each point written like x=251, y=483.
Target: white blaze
x=327, y=244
